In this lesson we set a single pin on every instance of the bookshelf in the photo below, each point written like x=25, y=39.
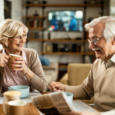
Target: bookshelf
x=76, y=47
x=63, y=5
x=40, y=27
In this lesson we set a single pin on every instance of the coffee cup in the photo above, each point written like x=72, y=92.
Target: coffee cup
x=10, y=96
x=16, y=107
x=12, y=58
x=69, y=95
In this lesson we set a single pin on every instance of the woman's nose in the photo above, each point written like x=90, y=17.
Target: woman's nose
x=23, y=40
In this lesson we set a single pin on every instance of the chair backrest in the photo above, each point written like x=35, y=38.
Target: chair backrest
x=77, y=73
x=51, y=72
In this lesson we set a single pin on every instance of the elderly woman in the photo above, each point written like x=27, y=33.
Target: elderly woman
x=27, y=69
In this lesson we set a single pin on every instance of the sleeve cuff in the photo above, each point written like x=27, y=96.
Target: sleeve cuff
x=112, y=112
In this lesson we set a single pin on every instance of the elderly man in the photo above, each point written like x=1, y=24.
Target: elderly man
x=101, y=79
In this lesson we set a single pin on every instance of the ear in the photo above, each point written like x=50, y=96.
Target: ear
x=113, y=41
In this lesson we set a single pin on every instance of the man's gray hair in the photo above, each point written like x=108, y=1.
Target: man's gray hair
x=109, y=30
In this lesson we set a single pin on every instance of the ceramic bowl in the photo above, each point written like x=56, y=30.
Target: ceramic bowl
x=24, y=89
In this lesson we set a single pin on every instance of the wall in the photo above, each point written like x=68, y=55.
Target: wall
x=17, y=9
x=1, y=10
x=112, y=7
x=1, y=14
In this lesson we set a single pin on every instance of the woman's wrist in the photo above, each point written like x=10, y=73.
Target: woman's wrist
x=28, y=73
x=25, y=70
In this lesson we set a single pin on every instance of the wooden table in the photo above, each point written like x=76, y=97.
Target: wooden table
x=30, y=110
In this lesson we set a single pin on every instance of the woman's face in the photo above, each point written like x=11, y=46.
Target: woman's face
x=16, y=44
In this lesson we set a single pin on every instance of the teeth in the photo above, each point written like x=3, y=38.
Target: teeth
x=96, y=49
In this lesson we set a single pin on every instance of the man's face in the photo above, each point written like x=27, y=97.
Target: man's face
x=101, y=47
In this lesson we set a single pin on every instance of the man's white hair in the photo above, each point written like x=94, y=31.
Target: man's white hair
x=109, y=23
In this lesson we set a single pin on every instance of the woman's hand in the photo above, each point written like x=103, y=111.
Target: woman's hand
x=56, y=86
x=19, y=65
x=3, y=59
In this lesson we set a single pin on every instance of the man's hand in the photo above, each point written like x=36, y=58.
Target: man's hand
x=3, y=59
x=56, y=86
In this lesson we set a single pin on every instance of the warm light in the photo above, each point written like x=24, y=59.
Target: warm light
x=79, y=14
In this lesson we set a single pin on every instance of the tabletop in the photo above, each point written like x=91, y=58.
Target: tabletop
x=30, y=110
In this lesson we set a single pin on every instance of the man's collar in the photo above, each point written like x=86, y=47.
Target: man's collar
x=110, y=62
x=113, y=58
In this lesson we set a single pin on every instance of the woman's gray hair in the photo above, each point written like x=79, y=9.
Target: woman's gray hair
x=10, y=28
x=109, y=30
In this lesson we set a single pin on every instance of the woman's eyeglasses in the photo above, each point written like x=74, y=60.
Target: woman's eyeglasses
x=20, y=37
x=17, y=37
